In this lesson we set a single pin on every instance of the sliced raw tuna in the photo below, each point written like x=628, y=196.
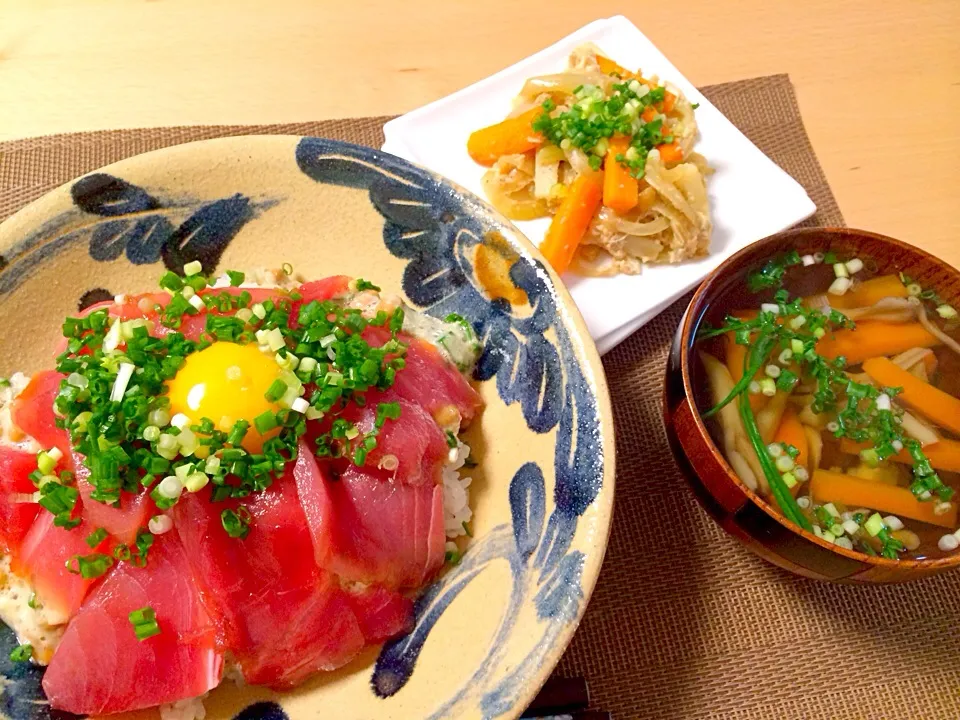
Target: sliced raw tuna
x=33, y=411
x=263, y=590
x=370, y=529
x=412, y=449
x=430, y=379
x=121, y=522
x=101, y=667
x=327, y=636
x=320, y=290
x=382, y=613
x=144, y=306
x=16, y=516
x=192, y=326
x=42, y=561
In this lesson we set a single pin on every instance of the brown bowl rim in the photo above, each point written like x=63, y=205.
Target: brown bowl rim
x=696, y=308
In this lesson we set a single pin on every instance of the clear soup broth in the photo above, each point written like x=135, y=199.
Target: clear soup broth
x=833, y=390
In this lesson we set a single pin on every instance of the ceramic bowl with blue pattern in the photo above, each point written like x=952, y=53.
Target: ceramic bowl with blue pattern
x=489, y=631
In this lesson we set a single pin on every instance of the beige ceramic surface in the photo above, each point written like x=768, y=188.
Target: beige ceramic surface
x=323, y=228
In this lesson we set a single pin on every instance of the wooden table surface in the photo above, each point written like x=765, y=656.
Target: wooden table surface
x=878, y=80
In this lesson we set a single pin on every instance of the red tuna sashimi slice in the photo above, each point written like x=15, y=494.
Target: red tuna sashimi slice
x=414, y=440
x=328, y=636
x=367, y=528
x=121, y=522
x=319, y=290
x=430, y=379
x=192, y=326
x=16, y=516
x=145, y=306
x=33, y=411
x=271, y=600
x=382, y=613
x=101, y=667
x=42, y=562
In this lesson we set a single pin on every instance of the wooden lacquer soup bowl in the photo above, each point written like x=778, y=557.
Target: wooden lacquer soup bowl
x=741, y=512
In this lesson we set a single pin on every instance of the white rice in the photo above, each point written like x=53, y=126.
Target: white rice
x=10, y=434
x=189, y=709
x=456, y=496
x=39, y=627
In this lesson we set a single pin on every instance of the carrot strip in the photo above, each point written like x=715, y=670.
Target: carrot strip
x=874, y=338
x=669, y=102
x=670, y=154
x=852, y=491
x=943, y=455
x=791, y=432
x=609, y=67
x=621, y=191
x=648, y=114
x=932, y=403
x=573, y=218
x=512, y=136
x=870, y=292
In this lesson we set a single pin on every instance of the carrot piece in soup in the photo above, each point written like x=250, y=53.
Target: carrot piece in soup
x=512, y=136
x=870, y=292
x=791, y=432
x=853, y=491
x=943, y=455
x=572, y=220
x=931, y=402
x=874, y=338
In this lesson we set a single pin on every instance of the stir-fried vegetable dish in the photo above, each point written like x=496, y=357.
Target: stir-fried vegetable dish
x=609, y=155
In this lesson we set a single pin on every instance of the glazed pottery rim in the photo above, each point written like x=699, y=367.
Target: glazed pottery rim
x=568, y=314
x=696, y=309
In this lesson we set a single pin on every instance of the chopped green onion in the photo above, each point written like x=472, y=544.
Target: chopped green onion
x=21, y=653
x=193, y=268
x=144, y=623
x=89, y=566
x=235, y=525
x=365, y=285
x=265, y=422
x=96, y=537
x=874, y=524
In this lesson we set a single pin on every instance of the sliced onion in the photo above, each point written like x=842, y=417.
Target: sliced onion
x=524, y=208
x=940, y=334
x=889, y=309
x=918, y=430
x=911, y=357
x=594, y=261
x=564, y=83
x=643, y=247
x=660, y=180
x=578, y=160
x=628, y=227
x=546, y=170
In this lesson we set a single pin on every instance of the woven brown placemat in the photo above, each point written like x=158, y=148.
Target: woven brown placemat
x=684, y=623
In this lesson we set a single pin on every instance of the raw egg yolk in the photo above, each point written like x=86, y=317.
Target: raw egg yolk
x=226, y=382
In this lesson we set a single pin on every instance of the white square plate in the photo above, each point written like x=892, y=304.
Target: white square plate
x=750, y=197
